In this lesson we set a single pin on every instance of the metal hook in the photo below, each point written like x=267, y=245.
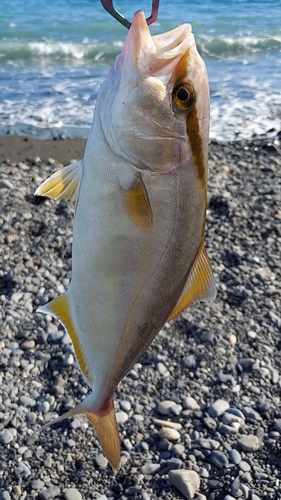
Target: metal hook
x=109, y=7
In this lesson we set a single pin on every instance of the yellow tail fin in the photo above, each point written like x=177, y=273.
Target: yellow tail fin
x=105, y=425
x=106, y=428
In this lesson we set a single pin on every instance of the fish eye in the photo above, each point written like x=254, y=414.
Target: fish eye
x=184, y=96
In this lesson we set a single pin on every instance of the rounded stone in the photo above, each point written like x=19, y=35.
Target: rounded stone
x=186, y=481
x=5, y=495
x=190, y=403
x=164, y=407
x=72, y=494
x=44, y=407
x=277, y=424
x=232, y=339
x=121, y=417
x=244, y=466
x=162, y=369
x=176, y=409
x=150, y=469
x=125, y=405
x=28, y=344
x=178, y=449
x=27, y=401
x=189, y=361
x=218, y=408
x=101, y=461
x=169, y=433
x=234, y=456
x=6, y=436
x=49, y=493
x=37, y=484
x=145, y=496
x=219, y=459
x=31, y=417
x=251, y=414
x=249, y=442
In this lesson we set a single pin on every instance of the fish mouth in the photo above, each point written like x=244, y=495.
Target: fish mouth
x=155, y=55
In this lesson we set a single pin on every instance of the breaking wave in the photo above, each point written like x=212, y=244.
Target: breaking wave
x=52, y=52
x=21, y=52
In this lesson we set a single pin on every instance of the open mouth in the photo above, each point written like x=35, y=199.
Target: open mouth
x=173, y=43
x=155, y=55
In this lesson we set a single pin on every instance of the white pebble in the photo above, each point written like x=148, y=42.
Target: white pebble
x=218, y=408
x=121, y=417
x=168, y=433
x=72, y=494
x=166, y=423
x=232, y=339
x=186, y=481
x=251, y=334
x=164, y=407
x=190, y=403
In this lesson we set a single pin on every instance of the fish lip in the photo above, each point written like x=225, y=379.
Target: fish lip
x=177, y=36
x=154, y=55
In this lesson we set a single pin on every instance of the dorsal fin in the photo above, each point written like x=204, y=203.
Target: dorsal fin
x=137, y=205
x=63, y=184
x=200, y=284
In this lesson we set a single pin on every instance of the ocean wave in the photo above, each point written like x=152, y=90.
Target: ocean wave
x=229, y=47
x=15, y=52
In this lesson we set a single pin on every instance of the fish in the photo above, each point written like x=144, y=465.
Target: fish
x=138, y=253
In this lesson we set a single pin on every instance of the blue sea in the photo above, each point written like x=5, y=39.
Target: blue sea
x=54, y=55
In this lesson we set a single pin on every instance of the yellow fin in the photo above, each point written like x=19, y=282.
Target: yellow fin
x=104, y=423
x=106, y=428
x=137, y=204
x=200, y=284
x=59, y=308
x=63, y=184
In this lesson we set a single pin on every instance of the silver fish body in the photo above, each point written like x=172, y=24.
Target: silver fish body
x=138, y=238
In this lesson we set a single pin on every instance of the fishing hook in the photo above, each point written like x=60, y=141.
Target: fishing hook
x=109, y=7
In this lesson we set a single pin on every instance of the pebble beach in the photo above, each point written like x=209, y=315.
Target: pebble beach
x=200, y=413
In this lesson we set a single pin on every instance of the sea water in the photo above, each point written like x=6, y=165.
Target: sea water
x=54, y=55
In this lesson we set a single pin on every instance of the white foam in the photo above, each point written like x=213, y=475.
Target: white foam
x=52, y=48
x=245, y=100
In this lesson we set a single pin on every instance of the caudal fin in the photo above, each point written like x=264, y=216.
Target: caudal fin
x=106, y=428
x=105, y=425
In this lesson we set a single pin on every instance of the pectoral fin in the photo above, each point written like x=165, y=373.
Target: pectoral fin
x=59, y=308
x=63, y=184
x=137, y=205
x=200, y=284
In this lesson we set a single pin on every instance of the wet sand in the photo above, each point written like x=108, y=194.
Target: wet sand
x=20, y=148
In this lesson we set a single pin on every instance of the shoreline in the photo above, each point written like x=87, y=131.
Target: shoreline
x=18, y=149
x=21, y=148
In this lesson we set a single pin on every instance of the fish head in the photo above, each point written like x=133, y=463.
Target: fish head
x=154, y=104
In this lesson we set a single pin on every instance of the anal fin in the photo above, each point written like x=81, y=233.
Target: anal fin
x=59, y=308
x=137, y=205
x=200, y=284
x=63, y=184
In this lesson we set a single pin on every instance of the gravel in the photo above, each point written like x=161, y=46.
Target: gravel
x=201, y=407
